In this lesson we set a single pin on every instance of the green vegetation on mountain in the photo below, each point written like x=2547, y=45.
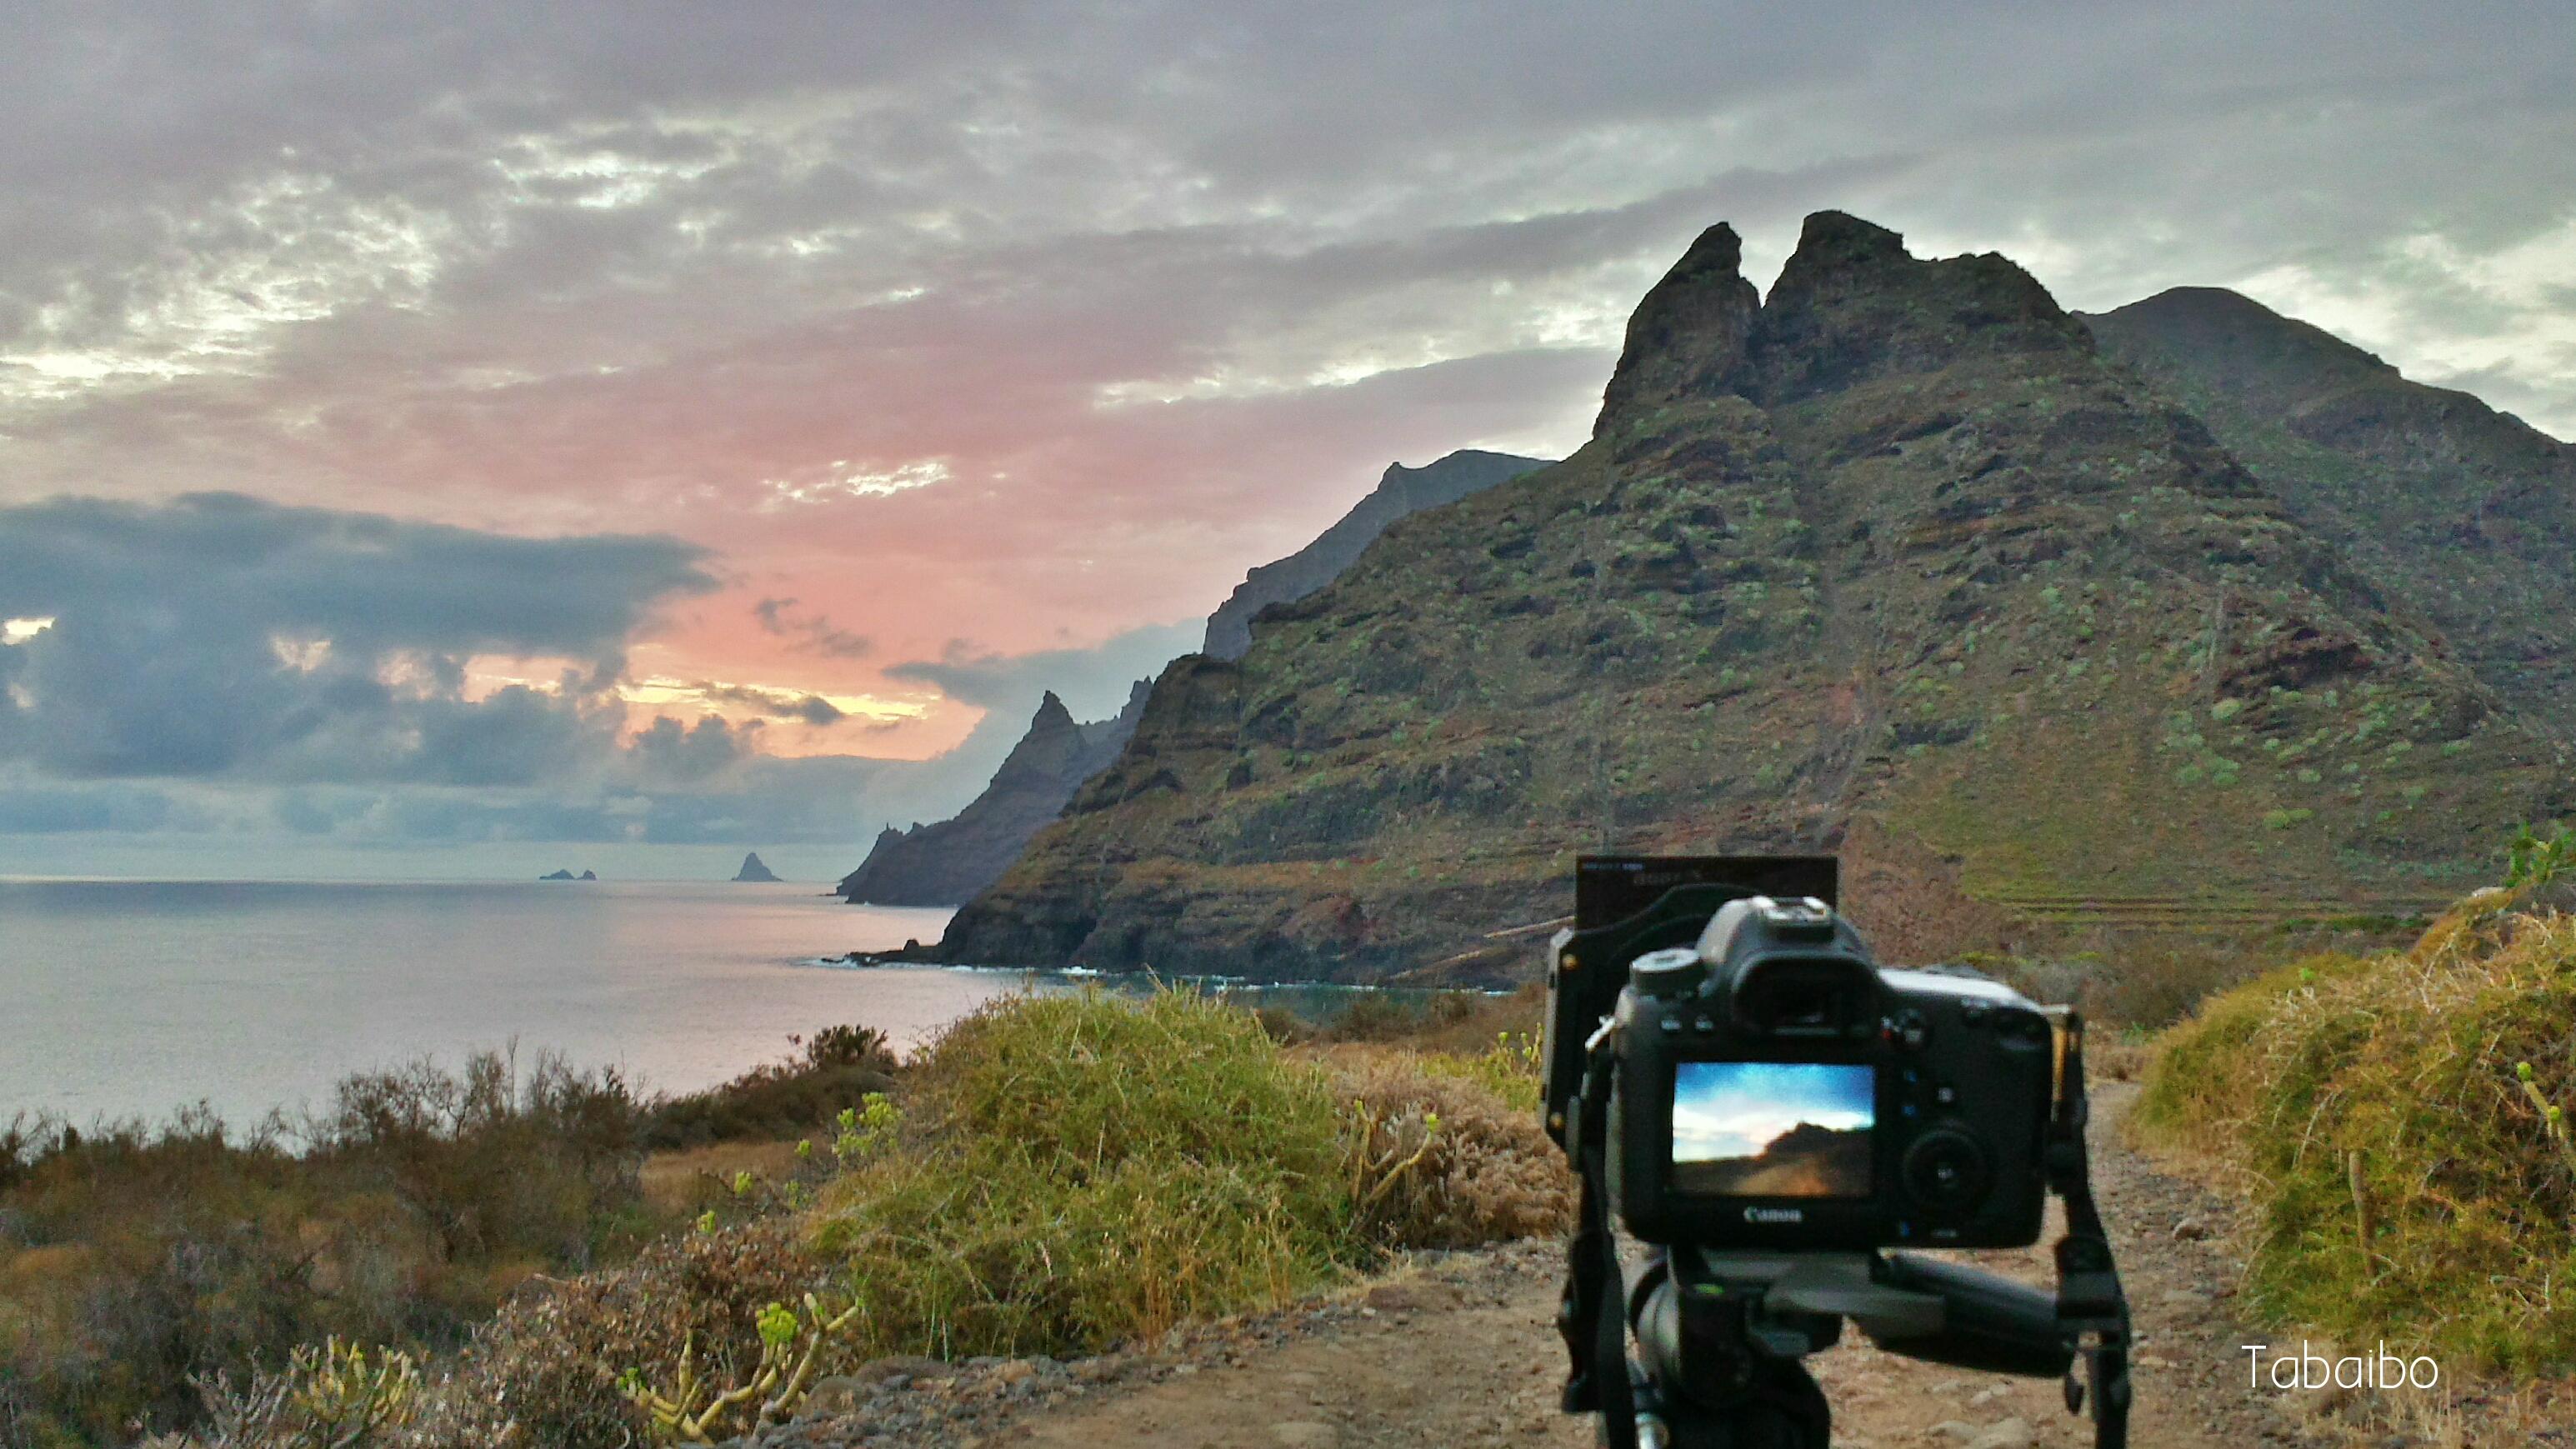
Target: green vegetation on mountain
x=1400, y=493
x=1891, y=562
x=2456, y=510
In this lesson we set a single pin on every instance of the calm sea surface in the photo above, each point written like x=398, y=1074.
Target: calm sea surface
x=131, y=998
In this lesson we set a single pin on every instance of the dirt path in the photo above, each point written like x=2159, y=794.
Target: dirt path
x=1461, y=1351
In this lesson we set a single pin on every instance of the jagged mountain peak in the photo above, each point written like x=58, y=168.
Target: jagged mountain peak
x=1852, y=305
x=1891, y=562
x=1686, y=339
x=946, y=862
x=1837, y=239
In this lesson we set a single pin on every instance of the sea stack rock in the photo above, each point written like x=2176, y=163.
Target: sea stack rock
x=752, y=870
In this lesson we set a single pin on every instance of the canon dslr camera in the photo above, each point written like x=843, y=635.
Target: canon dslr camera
x=1777, y=1090
x=1765, y=1110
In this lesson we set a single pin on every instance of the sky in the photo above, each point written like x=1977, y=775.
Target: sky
x=434, y=428
x=1735, y=1109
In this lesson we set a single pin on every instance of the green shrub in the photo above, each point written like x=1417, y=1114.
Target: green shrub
x=2409, y=1060
x=1085, y=1169
x=547, y=1369
x=2537, y=860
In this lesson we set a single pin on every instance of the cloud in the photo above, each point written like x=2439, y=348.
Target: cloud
x=667, y=749
x=223, y=665
x=1024, y=324
x=1093, y=682
x=814, y=633
x=222, y=636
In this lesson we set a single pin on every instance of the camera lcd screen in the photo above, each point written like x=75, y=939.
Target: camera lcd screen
x=1773, y=1129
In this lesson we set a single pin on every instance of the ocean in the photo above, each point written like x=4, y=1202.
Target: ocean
x=124, y=999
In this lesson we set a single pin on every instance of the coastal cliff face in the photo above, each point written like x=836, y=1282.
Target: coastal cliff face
x=1401, y=493
x=1891, y=562
x=2464, y=512
x=947, y=862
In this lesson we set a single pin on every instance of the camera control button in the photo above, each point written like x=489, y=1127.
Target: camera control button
x=1910, y=1030
x=1945, y=1095
x=1946, y=1170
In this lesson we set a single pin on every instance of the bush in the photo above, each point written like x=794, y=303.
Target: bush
x=144, y=1261
x=1083, y=1169
x=1485, y=1172
x=1066, y=1173
x=545, y=1371
x=837, y=1066
x=2409, y=1060
x=1511, y=1069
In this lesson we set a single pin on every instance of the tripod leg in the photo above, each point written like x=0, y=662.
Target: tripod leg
x=1784, y=1409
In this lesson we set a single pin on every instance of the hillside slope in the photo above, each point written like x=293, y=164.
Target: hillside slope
x=2460, y=510
x=949, y=861
x=1892, y=562
x=1400, y=493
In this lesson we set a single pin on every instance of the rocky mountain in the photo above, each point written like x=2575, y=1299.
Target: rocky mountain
x=947, y=862
x=561, y=874
x=1401, y=493
x=755, y=872
x=1892, y=562
x=2463, y=512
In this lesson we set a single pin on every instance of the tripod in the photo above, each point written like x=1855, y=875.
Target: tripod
x=1720, y=1335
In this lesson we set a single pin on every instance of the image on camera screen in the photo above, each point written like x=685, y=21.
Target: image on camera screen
x=1773, y=1129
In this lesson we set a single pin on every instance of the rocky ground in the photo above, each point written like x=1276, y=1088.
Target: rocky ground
x=1459, y=1350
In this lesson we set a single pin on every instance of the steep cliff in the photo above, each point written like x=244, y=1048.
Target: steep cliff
x=1401, y=493
x=1891, y=562
x=2464, y=512
x=949, y=861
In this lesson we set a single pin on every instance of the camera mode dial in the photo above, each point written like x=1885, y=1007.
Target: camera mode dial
x=1667, y=973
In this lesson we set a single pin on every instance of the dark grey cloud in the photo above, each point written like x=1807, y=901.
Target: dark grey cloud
x=220, y=665
x=221, y=636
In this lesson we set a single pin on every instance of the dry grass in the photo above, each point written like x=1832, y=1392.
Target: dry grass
x=1070, y=1172
x=1482, y=1170
x=685, y=1183
x=2407, y=1060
